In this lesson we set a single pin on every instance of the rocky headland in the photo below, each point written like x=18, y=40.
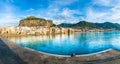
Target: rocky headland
x=34, y=26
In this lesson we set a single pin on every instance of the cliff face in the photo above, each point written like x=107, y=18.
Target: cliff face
x=33, y=21
x=23, y=31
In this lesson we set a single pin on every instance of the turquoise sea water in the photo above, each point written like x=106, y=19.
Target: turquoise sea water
x=78, y=43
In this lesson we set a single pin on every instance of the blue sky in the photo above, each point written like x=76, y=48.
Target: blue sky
x=60, y=11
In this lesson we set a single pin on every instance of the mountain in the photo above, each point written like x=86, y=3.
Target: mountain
x=81, y=24
x=66, y=25
x=108, y=25
x=85, y=24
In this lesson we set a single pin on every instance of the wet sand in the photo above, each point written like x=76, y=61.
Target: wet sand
x=10, y=53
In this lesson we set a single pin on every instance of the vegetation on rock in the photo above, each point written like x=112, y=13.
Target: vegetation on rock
x=34, y=21
x=33, y=18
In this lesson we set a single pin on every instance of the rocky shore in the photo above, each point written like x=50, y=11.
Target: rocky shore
x=40, y=30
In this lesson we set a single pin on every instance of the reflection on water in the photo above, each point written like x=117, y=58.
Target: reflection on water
x=79, y=43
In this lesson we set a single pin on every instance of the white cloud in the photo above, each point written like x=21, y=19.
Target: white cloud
x=58, y=13
x=94, y=16
x=66, y=16
x=8, y=20
x=115, y=13
x=55, y=3
x=112, y=14
x=29, y=10
x=67, y=12
x=7, y=16
x=102, y=2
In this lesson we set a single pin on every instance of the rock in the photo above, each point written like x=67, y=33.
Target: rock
x=33, y=21
x=22, y=30
x=73, y=55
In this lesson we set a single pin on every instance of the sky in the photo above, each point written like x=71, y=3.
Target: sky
x=60, y=11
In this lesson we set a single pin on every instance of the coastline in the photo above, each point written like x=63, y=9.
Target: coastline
x=19, y=31
x=69, y=55
x=33, y=31
x=107, y=57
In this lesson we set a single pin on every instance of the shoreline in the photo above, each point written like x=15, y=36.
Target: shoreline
x=108, y=57
x=69, y=55
x=35, y=31
x=19, y=31
x=12, y=35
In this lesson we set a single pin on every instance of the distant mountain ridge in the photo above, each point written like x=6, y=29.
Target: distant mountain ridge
x=85, y=24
